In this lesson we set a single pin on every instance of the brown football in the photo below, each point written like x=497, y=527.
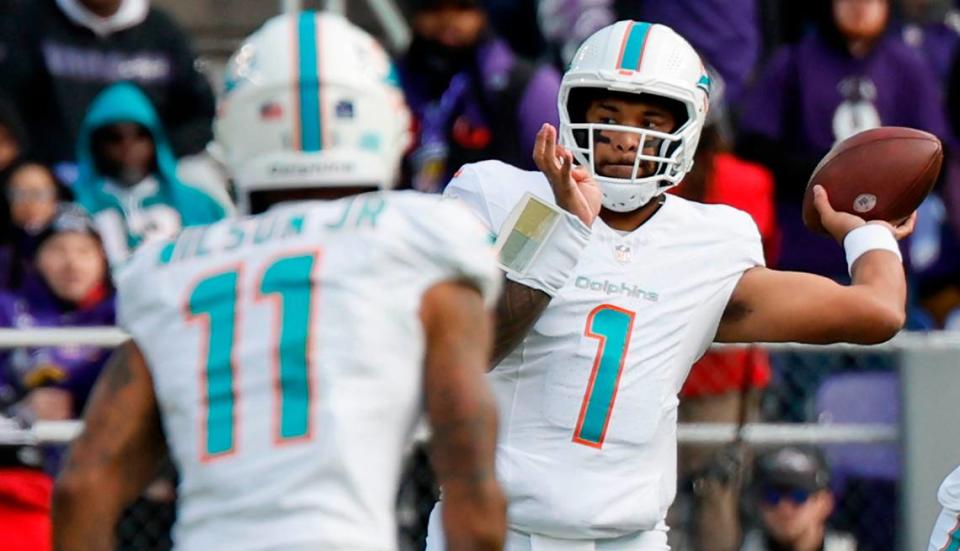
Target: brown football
x=878, y=174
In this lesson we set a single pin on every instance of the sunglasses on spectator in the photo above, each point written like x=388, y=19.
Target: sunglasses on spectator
x=119, y=134
x=773, y=496
x=31, y=195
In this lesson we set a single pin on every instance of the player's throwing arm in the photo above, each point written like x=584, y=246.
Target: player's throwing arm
x=773, y=306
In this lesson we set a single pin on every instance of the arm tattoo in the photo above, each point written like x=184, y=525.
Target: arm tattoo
x=517, y=310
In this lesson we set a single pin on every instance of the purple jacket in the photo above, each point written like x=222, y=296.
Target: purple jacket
x=492, y=109
x=799, y=97
x=812, y=95
x=17, y=260
x=74, y=368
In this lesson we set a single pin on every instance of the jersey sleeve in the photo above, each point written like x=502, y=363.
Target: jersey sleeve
x=746, y=244
x=467, y=186
x=445, y=241
x=734, y=243
x=491, y=189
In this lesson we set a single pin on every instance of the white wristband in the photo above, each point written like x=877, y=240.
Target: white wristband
x=540, y=244
x=868, y=237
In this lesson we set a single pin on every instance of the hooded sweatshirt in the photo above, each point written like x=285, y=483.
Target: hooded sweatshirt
x=157, y=207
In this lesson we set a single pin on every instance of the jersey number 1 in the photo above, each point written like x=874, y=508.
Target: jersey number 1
x=611, y=326
x=215, y=299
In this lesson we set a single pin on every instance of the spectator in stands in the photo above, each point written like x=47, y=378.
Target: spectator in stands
x=723, y=386
x=127, y=175
x=68, y=51
x=472, y=97
x=29, y=199
x=795, y=502
x=71, y=288
x=847, y=75
x=726, y=33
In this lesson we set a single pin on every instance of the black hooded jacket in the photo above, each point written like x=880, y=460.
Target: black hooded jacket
x=52, y=69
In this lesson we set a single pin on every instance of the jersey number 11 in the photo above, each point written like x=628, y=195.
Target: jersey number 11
x=215, y=300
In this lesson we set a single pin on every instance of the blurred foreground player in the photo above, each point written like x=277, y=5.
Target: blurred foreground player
x=614, y=289
x=284, y=358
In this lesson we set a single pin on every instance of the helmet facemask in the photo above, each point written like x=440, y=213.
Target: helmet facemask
x=666, y=150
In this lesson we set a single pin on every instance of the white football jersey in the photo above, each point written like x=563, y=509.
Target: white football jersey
x=949, y=494
x=286, y=351
x=588, y=401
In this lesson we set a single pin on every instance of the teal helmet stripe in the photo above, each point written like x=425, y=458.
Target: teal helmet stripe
x=310, y=117
x=633, y=49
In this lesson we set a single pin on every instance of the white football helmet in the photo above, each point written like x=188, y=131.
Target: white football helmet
x=311, y=101
x=637, y=58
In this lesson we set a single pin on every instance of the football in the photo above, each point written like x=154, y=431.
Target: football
x=878, y=174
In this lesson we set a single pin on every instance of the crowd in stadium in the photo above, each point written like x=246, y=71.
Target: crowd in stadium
x=106, y=124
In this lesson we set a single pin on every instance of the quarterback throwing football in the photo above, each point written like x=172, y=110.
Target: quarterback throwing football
x=614, y=289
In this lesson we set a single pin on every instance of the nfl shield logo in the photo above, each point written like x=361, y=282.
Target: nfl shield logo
x=344, y=109
x=622, y=253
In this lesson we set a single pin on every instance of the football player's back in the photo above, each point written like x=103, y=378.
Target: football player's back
x=287, y=355
x=286, y=352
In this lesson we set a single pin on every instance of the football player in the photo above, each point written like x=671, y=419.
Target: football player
x=614, y=289
x=283, y=359
x=946, y=530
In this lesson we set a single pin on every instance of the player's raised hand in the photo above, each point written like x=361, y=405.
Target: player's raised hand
x=574, y=188
x=839, y=224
